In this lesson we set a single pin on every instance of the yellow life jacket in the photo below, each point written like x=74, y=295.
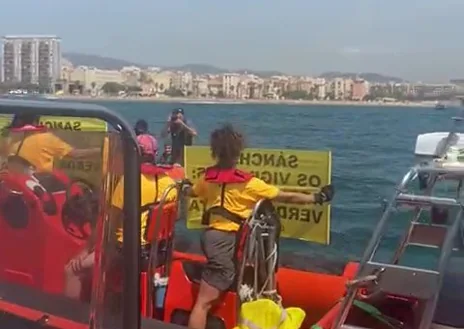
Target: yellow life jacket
x=266, y=314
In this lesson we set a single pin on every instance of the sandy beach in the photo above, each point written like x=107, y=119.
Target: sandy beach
x=190, y=100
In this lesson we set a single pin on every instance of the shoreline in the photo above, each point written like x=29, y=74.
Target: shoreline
x=211, y=101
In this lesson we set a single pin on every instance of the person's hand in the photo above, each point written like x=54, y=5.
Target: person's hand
x=325, y=195
x=186, y=182
x=75, y=265
x=180, y=122
x=82, y=261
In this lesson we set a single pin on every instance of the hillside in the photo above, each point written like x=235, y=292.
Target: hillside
x=106, y=63
x=109, y=63
x=371, y=77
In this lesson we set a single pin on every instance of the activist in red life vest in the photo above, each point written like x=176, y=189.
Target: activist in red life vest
x=230, y=195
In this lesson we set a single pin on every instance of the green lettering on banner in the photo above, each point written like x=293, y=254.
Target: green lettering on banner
x=293, y=170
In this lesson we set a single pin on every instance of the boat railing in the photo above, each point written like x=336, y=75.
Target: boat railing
x=391, y=278
x=154, y=246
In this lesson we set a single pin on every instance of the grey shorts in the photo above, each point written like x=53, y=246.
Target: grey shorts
x=219, y=249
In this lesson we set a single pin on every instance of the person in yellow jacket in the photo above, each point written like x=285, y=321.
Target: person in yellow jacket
x=232, y=200
x=38, y=149
x=152, y=185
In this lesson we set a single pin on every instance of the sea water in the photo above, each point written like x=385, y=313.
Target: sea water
x=372, y=148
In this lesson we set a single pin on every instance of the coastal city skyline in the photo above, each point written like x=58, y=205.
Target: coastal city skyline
x=35, y=63
x=295, y=37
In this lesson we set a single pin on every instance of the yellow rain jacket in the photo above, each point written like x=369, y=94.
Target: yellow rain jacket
x=266, y=314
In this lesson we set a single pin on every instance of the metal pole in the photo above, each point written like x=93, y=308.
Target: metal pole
x=447, y=248
x=270, y=286
x=131, y=245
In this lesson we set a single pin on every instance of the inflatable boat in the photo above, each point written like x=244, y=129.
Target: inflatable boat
x=155, y=286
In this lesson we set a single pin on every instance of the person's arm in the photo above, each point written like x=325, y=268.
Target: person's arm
x=167, y=128
x=194, y=190
x=189, y=128
x=325, y=195
x=83, y=153
x=62, y=149
x=294, y=197
x=260, y=190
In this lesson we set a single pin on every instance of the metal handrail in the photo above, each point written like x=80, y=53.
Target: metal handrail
x=370, y=249
x=153, y=254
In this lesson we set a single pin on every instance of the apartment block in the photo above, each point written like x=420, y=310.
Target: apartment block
x=360, y=89
x=31, y=59
x=230, y=82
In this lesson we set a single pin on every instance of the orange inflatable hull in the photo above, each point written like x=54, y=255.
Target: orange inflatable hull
x=316, y=293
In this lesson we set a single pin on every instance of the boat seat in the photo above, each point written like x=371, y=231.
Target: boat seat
x=50, y=182
x=193, y=272
x=163, y=246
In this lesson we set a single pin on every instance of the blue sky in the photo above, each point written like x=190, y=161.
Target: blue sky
x=414, y=39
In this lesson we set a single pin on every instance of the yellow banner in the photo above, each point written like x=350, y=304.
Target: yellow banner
x=290, y=170
x=64, y=123
x=88, y=169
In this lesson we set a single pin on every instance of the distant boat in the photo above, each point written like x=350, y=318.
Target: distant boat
x=439, y=106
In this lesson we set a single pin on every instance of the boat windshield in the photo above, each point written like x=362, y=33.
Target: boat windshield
x=61, y=222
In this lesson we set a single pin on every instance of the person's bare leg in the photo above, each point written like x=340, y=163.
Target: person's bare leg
x=73, y=284
x=73, y=270
x=207, y=296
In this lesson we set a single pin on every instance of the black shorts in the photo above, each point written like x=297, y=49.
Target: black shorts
x=219, y=249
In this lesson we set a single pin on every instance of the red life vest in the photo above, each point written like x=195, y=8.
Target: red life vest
x=223, y=177
x=29, y=128
x=150, y=169
x=26, y=130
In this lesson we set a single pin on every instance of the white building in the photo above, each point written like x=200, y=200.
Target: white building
x=31, y=59
x=92, y=78
x=182, y=81
x=230, y=82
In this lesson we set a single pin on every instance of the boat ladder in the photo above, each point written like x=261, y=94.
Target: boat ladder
x=438, y=231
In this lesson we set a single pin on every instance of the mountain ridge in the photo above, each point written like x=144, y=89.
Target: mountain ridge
x=109, y=63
